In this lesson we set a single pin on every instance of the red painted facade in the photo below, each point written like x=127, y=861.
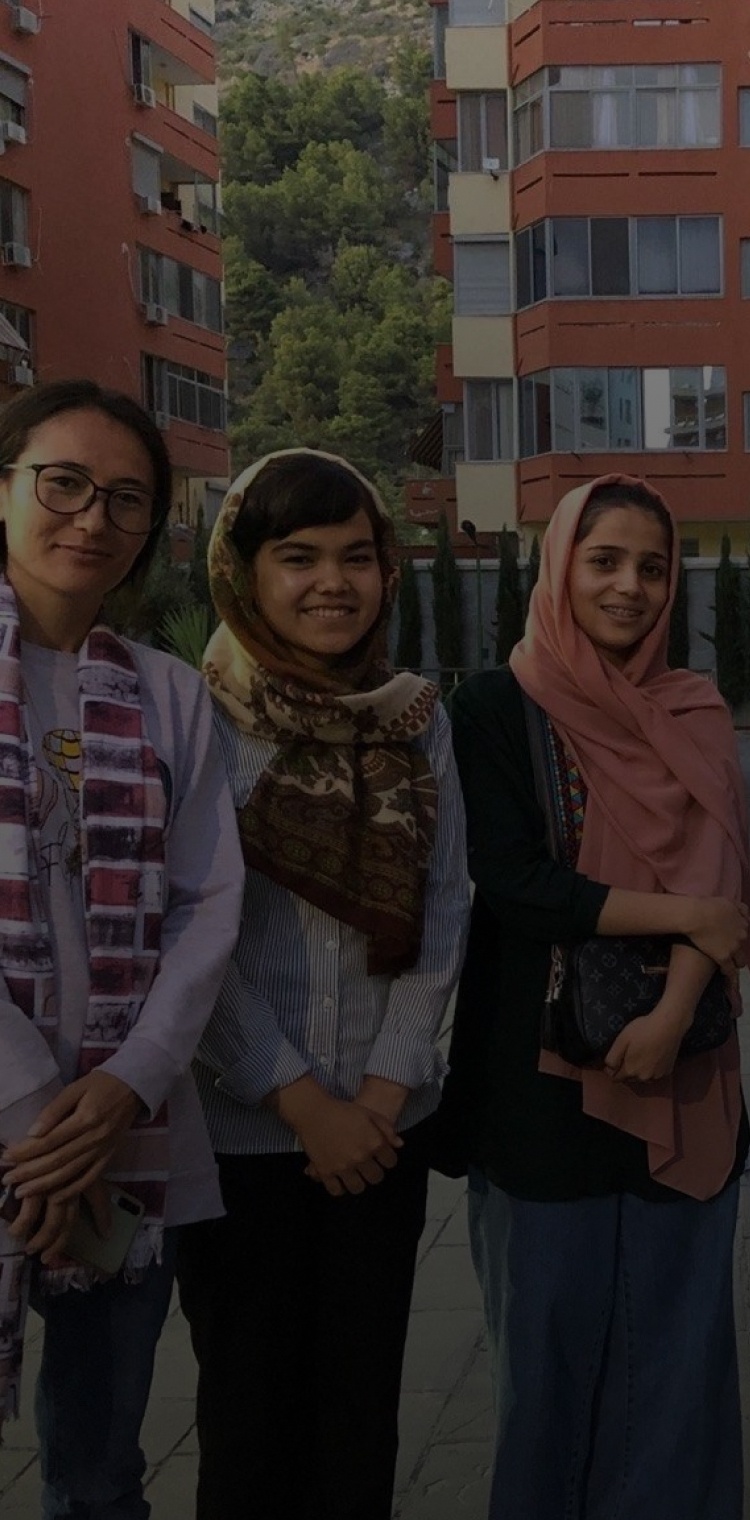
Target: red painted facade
x=85, y=223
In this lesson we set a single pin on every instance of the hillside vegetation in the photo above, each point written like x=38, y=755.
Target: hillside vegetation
x=285, y=37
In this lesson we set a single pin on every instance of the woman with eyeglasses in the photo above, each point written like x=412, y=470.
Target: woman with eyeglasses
x=120, y=887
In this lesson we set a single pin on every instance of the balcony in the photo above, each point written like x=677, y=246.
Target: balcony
x=428, y=500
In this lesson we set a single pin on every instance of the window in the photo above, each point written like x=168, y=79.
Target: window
x=205, y=120
x=745, y=267
x=185, y=291
x=572, y=257
x=477, y=12
x=21, y=321
x=445, y=163
x=482, y=132
x=13, y=214
x=678, y=255
x=488, y=410
x=140, y=59
x=684, y=408
x=744, y=118
x=207, y=210
x=453, y=438
x=482, y=277
x=13, y=84
x=186, y=394
x=440, y=25
x=577, y=409
x=146, y=168
x=619, y=106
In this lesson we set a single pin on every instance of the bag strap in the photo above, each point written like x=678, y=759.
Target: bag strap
x=536, y=729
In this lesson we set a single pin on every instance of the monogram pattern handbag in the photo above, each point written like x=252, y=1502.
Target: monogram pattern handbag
x=601, y=984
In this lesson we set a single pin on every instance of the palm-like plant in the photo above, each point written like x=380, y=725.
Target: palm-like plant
x=185, y=632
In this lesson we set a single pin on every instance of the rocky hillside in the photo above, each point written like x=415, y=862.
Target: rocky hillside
x=289, y=37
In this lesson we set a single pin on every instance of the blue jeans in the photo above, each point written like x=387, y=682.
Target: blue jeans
x=614, y=1358
x=92, y=1392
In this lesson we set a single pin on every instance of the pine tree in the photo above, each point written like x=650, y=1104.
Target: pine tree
x=446, y=606
x=532, y=573
x=509, y=603
x=729, y=631
x=409, y=649
x=678, y=654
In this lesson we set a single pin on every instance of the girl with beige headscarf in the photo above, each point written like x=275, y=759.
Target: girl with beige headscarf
x=321, y=1064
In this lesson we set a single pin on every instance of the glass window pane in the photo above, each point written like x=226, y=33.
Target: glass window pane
x=744, y=118
x=624, y=417
x=610, y=256
x=592, y=408
x=214, y=317
x=505, y=435
x=496, y=128
x=477, y=12
x=440, y=23
x=542, y=414
x=611, y=119
x=657, y=255
x=687, y=386
x=563, y=410
x=527, y=439
x=470, y=133
x=655, y=74
x=523, y=268
x=745, y=267
x=146, y=170
x=539, y=260
x=656, y=118
x=657, y=409
x=570, y=120
x=698, y=119
x=715, y=407
x=479, y=429
x=700, y=263
x=570, y=256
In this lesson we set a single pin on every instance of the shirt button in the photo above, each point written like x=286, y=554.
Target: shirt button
x=332, y=944
x=325, y=1060
x=328, y=1002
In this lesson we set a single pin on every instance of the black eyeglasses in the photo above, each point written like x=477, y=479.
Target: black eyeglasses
x=67, y=490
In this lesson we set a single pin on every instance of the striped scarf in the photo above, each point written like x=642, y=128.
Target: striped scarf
x=123, y=816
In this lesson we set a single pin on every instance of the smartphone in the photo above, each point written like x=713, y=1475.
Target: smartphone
x=106, y=1254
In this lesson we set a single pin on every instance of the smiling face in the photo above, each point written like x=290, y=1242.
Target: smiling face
x=320, y=589
x=619, y=580
x=69, y=563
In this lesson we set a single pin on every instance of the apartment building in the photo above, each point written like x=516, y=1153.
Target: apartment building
x=592, y=208
x=110, y=259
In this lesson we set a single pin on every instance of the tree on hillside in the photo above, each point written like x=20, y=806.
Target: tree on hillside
x=446, y=606
x=409, y=650
x=406, y=124
x=509, y=603
x=729, y=633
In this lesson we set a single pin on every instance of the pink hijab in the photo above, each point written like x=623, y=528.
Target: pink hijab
x=666, y=812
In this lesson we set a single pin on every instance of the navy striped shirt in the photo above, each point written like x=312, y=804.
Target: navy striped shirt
x=297, y=999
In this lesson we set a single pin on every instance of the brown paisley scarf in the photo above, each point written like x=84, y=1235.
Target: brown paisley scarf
x=344, y=814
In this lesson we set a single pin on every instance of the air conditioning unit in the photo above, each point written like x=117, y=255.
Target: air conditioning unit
x=144, y=94
x=20, y=374
x=150, y=204
x=12, y=132
x=156, y=315
x=17, y=254
x=162, y=420
x=25, y=20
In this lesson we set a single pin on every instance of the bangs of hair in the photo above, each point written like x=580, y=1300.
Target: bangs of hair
x=294, y=493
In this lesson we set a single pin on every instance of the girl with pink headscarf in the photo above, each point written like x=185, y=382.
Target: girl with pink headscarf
x=603, y=1201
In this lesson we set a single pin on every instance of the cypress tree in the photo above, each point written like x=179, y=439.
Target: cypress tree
x=199, y=588
x=678, y=653
x=446, y=607
x=729, y=632
x=532, y=573
x=509, y=604
x=409, y=649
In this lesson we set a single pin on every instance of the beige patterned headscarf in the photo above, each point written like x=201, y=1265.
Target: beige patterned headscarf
x=345, y=813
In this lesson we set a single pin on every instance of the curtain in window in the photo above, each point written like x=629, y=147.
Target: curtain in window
x=657, y=255
x=605, y=116
x=479, y=432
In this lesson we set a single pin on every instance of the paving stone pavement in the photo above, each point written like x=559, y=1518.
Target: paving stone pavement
x=446, y=1416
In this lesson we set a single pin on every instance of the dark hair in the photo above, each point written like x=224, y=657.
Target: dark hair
x=40, y=404
x=302, y=491
x=623, y=494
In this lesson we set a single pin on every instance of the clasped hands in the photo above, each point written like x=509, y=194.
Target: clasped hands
x=350, y=1144
x=63, y=1157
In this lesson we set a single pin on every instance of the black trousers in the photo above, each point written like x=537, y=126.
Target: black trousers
x=298, y=1306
